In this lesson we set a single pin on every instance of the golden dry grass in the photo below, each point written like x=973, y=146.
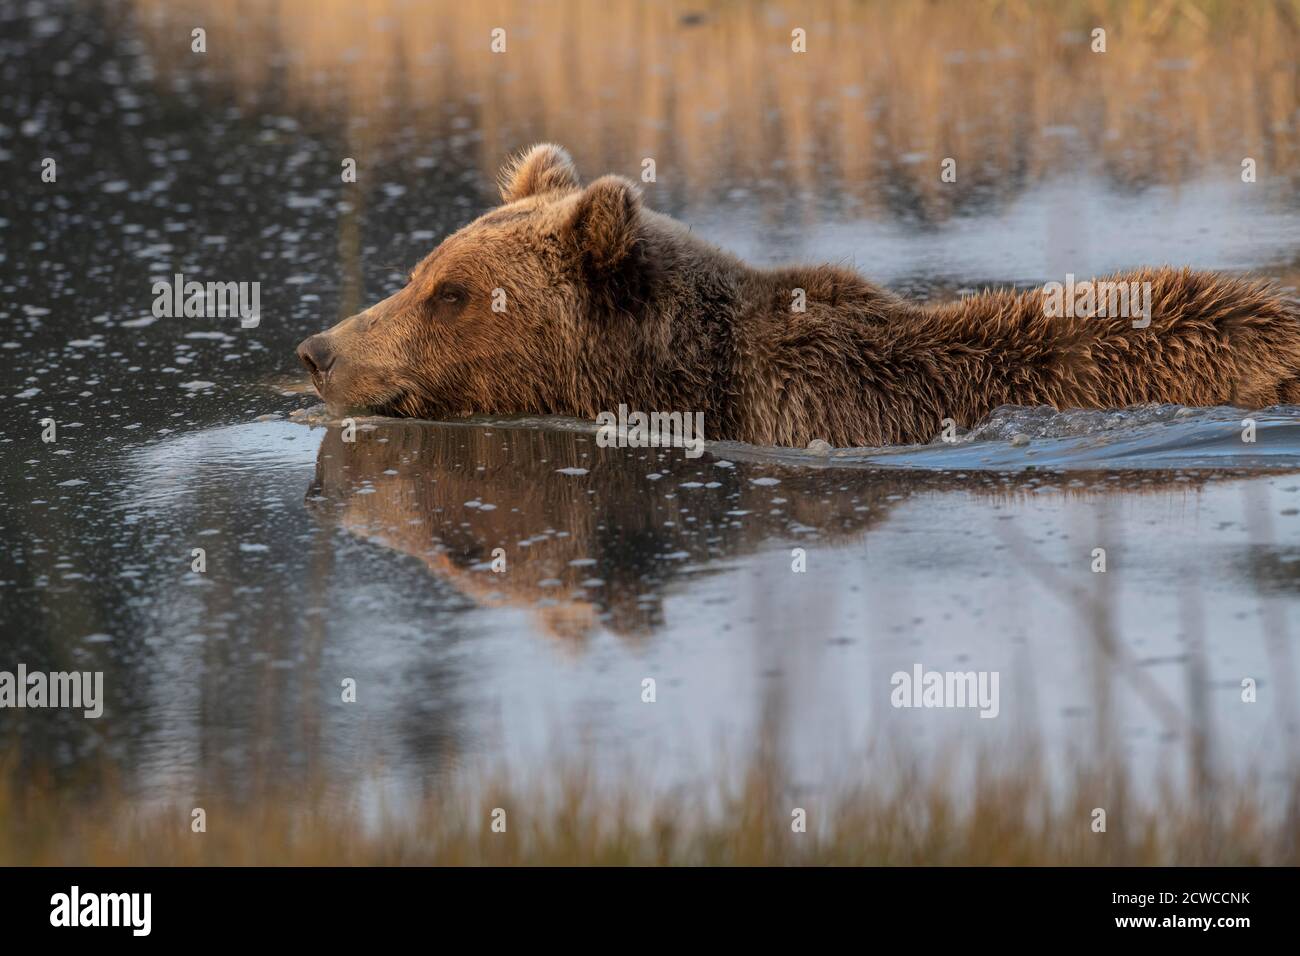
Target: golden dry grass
x=1003, y=817
x=712, y=91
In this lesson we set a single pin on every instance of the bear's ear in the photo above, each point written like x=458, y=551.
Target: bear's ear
x=540, y=169
x=604, y=223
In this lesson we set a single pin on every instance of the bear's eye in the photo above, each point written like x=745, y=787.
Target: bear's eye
x=450, y=295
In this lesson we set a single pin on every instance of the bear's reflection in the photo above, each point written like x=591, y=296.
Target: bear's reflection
x=596, y=536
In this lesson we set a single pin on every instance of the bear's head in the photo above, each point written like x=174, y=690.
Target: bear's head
x=505, y=315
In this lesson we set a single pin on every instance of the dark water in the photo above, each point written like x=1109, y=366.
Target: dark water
x=371, y=560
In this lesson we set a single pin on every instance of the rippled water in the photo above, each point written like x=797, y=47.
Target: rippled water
x=372, y=559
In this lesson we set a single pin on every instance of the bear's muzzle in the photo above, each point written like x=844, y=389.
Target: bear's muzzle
x=317, y=356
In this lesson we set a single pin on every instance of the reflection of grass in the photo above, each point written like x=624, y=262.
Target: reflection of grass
x=1010, y=88
x=965, y=808
x=1005, y=818
x=973, y=809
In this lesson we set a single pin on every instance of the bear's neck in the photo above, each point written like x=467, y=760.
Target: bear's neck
x=662, y=339
x=710, y=334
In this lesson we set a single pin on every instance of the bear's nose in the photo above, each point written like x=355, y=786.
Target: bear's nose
x=316, y=355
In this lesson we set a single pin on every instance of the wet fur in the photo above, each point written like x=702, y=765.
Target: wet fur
x=609, y=303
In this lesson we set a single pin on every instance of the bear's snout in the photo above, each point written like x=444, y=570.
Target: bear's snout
x=317, y=356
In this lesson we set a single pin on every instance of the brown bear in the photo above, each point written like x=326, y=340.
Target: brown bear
x=571, y=301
